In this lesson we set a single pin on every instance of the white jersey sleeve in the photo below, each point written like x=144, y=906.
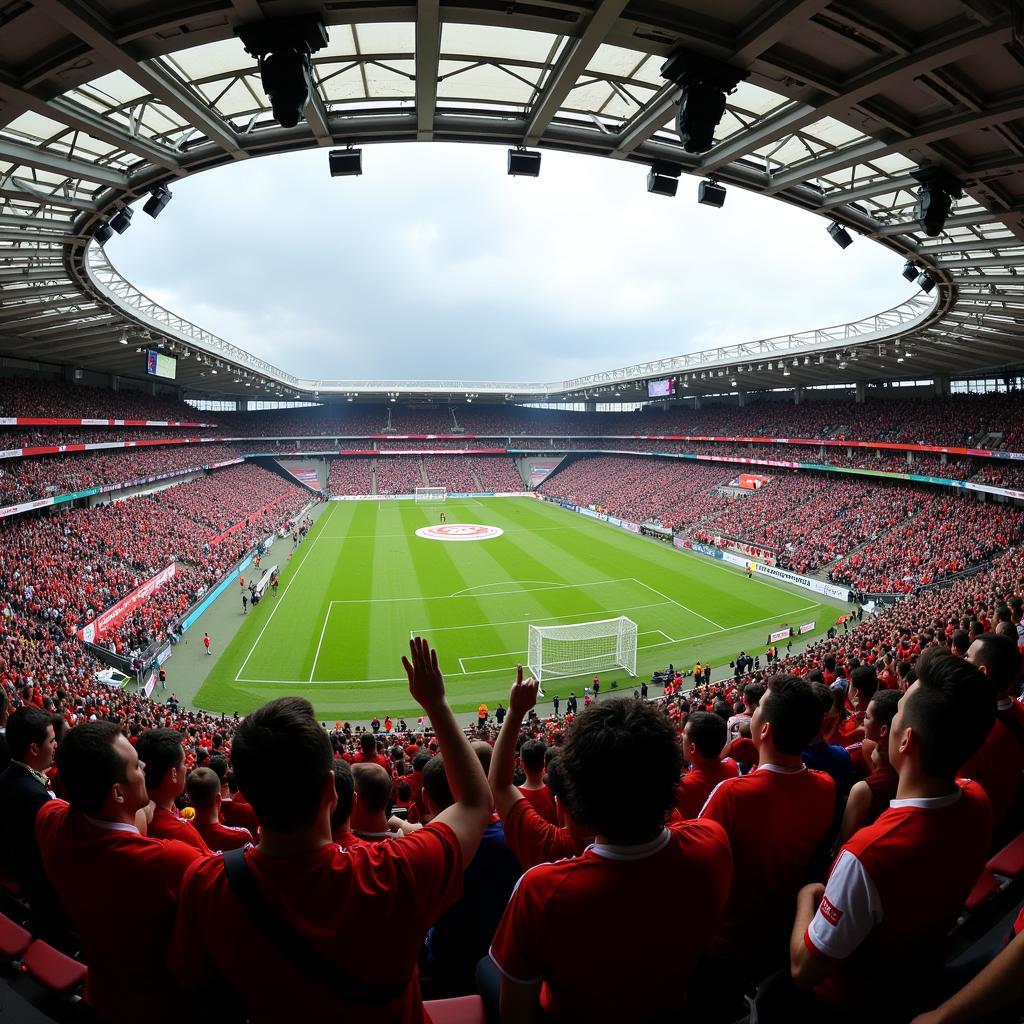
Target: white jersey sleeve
x=849, y=910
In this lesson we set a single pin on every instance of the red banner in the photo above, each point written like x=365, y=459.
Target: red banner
x=51, y=421
x=114, y=616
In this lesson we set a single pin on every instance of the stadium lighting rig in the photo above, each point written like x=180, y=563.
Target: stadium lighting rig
x=283, y=47
x=840, y=235
x=704, y=83
x=926, y=282
x=935, y=198
x=911, y=270
x=122, y=220
x=158, y=199
x=710, y=193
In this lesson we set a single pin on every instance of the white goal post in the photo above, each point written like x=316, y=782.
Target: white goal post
x=557, y=652
x=431, y=493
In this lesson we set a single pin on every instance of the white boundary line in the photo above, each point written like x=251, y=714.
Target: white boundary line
x=526, y=620
x=462, y=593
x=277, y=604
x=678, y=604
x=490, y=671
x=316, y=656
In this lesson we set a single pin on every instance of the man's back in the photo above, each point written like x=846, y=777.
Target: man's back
x=166, y=825
x=696, y=785
x=775, y=819
x=922, y=857
x=627, y=899
x=121, y=891
x=1000, y=761
x=367, y=909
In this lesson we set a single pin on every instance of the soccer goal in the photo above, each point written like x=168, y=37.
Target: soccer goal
x=431, y=493
x=556, y=652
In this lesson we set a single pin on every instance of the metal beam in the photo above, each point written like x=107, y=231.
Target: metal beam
x=26, y=191
x=574, y=60
x=81, y=119
x=17, y=320
x=81, y=20
x=764, y=30
x=45, y=160
x=856, y=90
x=316, y=116
x=647, y=122
x=908, y=227
x=428, y=46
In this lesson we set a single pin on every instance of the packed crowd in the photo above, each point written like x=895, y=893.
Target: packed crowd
x=852, y=792
x=23, y=480
x=350, y=476
x=398, y=475
x=26, y=397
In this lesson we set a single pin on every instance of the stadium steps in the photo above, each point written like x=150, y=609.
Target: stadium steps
x=373, y=476
x=476, y=480
x=423, y=475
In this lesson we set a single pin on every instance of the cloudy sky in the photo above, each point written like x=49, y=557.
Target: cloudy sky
x=435, y=264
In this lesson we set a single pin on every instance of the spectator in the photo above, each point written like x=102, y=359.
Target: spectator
x=872, y=795
x=752, y=694
x=621, y=765
x=704, y=737
x=777, y=819
x=370, y=819
x=830, y=758
x=24, y=789
x=393, y=890
x=344, y=787
x=203, y=787
x=874, y=936
x=163, y=758
x=531, y=756
x=99, y=862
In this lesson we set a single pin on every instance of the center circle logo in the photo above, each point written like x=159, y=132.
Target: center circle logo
x=459, y=531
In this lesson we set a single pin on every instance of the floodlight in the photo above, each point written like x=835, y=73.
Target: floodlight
x=344, y=162
x=911, y=270
x=122, y=220
x=710, y=193
x=840, y=235
x=935, y=198
x=926, y=282
x=704, y=83
x=103, y=233
x=158, y=199
x=283, y=47
x=524, y=163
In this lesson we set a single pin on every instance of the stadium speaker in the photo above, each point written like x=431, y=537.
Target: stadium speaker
x=911, y=270
x=103, y=233
x=926, y=282
x=158, y=199
x=661, y=184
x=524, y=163
x=345, y=161
x=703, y=83
x=710, y=193
x=122, y=220
x=840, y=235
x=935, y=198
x=283, y=47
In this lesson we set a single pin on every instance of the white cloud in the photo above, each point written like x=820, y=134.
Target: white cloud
x=435, y=263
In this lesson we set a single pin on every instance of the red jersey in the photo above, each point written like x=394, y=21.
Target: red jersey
x=893, y=896
x=238, y=811
x=999, y=762
x=395, y=891
x=120, y=889
x=346, y=839
x=361, y=758
x=543, y=803
x=776, y=819
x=220, y=837
x=534, y=840
x=696, y=785
x=607, y=894
x=166, y=825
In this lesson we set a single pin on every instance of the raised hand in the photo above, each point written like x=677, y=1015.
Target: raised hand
x=426, y=682
x=523, y=695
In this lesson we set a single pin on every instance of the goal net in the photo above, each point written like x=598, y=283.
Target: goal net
x=556, y=652
x=431, y=493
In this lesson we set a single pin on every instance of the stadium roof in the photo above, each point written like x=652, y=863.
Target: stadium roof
x=102, y=101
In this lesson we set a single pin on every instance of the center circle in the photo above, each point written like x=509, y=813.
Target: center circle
x=459, y=531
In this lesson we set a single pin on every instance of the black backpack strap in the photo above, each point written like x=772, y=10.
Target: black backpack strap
x=1012, y=724
x=295, y=947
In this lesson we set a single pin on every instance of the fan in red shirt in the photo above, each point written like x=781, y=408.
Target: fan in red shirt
x=872, y=795
x=161, y=752
x=344, y=787
x=119, y=887
x=999, y=763
x=704, y=737
x=361, y=913
x=621, y=764
x=531, y=756
x=203, y=786
x=875, y=936
x=778, y=819
x=367, y=753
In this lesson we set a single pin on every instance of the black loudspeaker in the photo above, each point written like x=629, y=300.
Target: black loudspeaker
x=524, y=163
x=345, y=161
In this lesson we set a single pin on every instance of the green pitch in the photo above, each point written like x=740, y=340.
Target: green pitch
x=363, y=582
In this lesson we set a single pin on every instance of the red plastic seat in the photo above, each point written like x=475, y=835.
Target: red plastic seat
x=984, y=889
x=1009, y=861
x=460, y=1010
x=54, y=970
x=14, y=939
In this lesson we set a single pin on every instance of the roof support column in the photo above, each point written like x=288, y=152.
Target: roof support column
x=941, y=383
x=859, y=392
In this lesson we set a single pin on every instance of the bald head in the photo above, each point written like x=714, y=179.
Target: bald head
x=372, y=786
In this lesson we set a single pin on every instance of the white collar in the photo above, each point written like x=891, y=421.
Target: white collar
x=614, y=851
x=929, y=803
x=111, y=826
x=779, y=769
